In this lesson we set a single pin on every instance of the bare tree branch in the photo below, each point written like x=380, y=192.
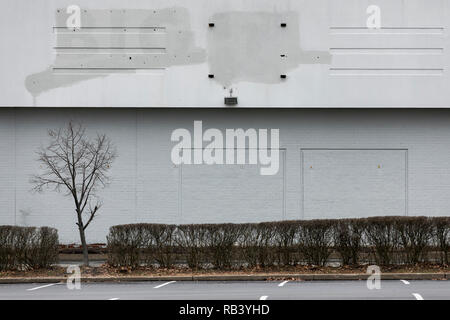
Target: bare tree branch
x=78, y=165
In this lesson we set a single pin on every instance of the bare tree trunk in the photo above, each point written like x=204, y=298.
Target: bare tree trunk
x=83, y=240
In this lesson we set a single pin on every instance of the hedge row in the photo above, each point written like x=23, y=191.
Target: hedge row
x=27, y=247
x=383, y=240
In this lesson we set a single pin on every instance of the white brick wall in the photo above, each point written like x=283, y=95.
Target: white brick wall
x=145, y=185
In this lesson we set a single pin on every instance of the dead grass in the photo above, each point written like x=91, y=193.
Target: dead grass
x=106, y=271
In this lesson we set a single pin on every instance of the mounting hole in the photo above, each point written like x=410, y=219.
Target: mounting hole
x=211, y=25
x=211, y=76
x=282, y=76
x=283, y=25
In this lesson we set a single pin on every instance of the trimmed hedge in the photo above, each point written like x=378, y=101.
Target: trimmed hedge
x=383, y=240
x=27, y=247
x=382, y=237
x=316, y=240
x=192, y=240
x=256, y=244
x=348, y=239
x=441, y=238
x=133, y=244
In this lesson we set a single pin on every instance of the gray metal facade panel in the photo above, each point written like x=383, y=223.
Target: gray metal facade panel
x=160, y=53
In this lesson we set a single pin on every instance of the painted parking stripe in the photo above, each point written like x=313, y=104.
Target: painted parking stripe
x=417, y=296
x=283, y=283
x=404, y=281
x=263, y=298
x=164, y=284
x=45, y=286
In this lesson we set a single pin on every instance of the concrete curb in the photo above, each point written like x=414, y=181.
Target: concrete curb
x=262, y=277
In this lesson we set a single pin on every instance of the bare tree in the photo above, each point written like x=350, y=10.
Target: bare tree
x=74, y=164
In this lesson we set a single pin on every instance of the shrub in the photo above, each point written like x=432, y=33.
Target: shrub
x=192, y=240
x=383, y=238
x=441, y=226
x=43, y=248
x=286, y=234
x=315, y=239
x=133, y=244
x=158, y=243
x=220, y=240
x=27, y=247
x=415, y=234
x=125, y=243
x=248, y=247
x=348, y=239
x=256, y=244
x=7, y=256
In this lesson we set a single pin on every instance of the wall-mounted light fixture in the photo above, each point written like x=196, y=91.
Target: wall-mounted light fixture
x=231, y=101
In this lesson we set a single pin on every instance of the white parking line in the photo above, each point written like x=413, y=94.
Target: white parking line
x=417, y=296
x=114, y=299
x=45, y=286
x=283, y=283
x=404, y=281
x=164, y=284
x=263, y=298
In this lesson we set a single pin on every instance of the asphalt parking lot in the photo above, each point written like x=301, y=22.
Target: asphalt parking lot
x=231, y=290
